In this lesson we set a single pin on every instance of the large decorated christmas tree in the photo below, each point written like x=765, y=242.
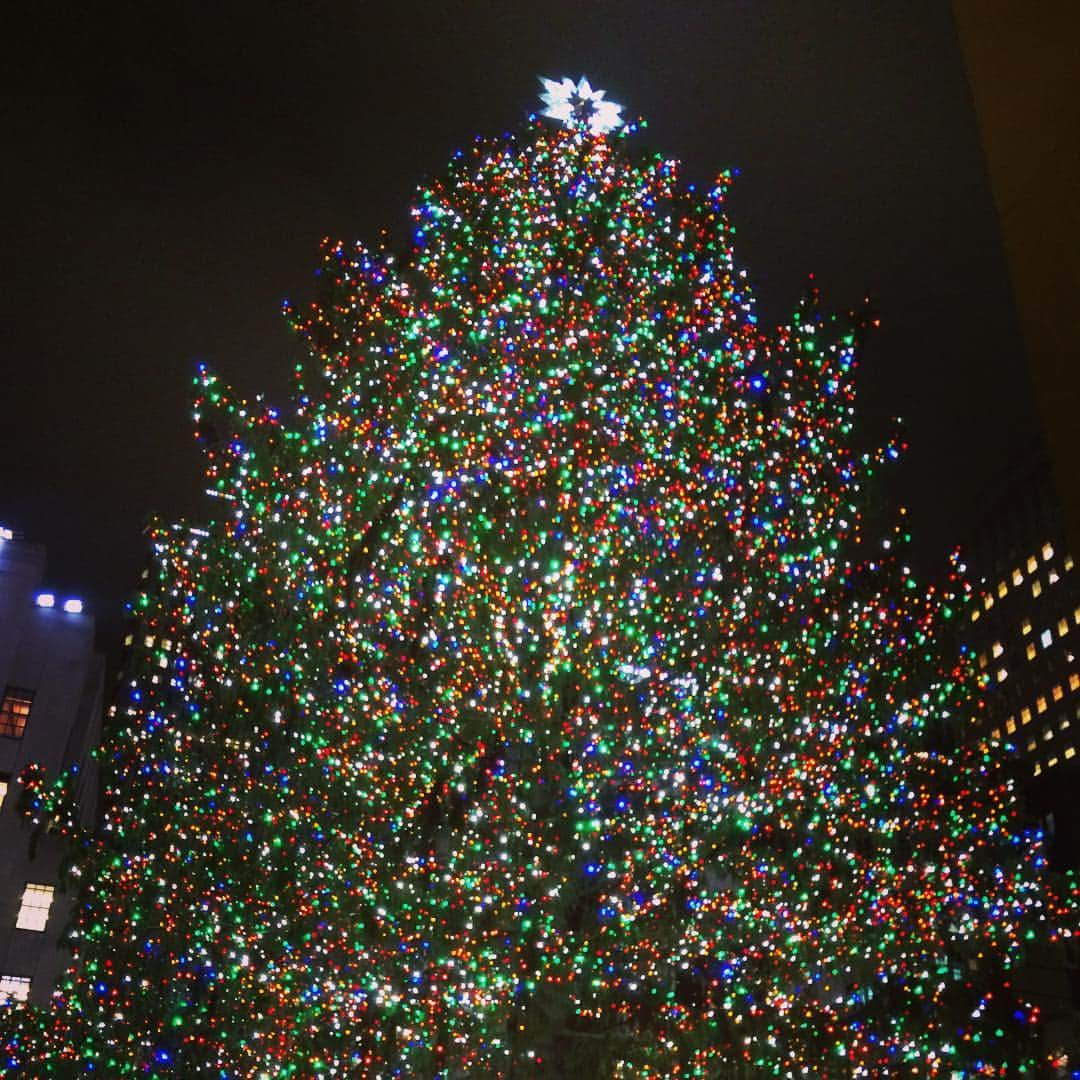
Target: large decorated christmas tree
x=546, y=699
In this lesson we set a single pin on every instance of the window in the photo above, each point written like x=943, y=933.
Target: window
x=1053, y=576
x=1070, y=751
x=1026, y=627
x=1063, y=627
x=997, y=649
x=982, y=660
x=1017, y=577
x=15, y=711
x=1048, y=734
x=1010, y=725
x=1047, y=552
x=15, y=987
x=1036, y=588
x=1074, y=681
x=1002, y=674
x=4, y=781
x=1031, y=650
x=1068, y=562
x=976, y=613
x=988, y=601
x=1040, y=705
x=1046, y=637
x=1032, y=563
x=1025, y=715
x=1003, y=588
x=1038, y=768
x=34, y=912
x=1057, y=693
x=1052, y=762
x=1031, y=744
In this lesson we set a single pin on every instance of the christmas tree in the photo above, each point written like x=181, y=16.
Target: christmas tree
x=546, y=696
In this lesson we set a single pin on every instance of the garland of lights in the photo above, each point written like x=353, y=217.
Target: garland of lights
x=541, y=700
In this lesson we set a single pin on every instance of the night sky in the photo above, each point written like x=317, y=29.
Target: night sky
x=168, y=178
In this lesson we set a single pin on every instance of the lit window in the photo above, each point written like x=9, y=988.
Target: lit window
x=1031, y=650
x=148, y=641
x=1002, y=674
x=1064, y=725
x=163, y=660
x=1046, y=637
x=1052, y=762
x=1070, y=751
x=129, y=638
x=1017, y=577
x=982, y=659
x=1038, y=768
x=988, y=601
x=1036, y=588
x=1048, y=734
x=997, y=649
x=996, y=733
x=1040, y=705
x=15, y=711
x=1053, y=576
x=3, y=789
x=34, y=912
x=1074, y=681
x=166, y=644
x=976, y=613
x=1026, y=627
x=1003, y=588
x=1063, y=627
x=1068, y=562
x=1010, y=725
x=1031, y=564
x=1076, y=616
x=1025, y=715
x=1047, y=552
x=1057, y=693
x=1031, y=744
x=15, y=987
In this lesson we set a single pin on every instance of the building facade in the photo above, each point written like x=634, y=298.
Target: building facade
x=1025, y=634
x=51, y=682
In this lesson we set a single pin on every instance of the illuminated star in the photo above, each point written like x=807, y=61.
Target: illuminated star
x=580, y=106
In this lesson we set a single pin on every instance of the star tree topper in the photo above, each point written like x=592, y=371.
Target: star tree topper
x=580, y=106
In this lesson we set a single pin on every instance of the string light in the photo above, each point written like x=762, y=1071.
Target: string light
x=542, y=696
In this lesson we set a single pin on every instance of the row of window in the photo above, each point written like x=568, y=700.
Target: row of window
x=1046, y=639
x=1041, y=705
x=1017, y=578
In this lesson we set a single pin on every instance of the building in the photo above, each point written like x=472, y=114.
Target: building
x=1025, y=87
x=51, y=682
x=1025, y=633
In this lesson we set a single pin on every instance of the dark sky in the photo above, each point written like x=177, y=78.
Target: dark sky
x=170, y=169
